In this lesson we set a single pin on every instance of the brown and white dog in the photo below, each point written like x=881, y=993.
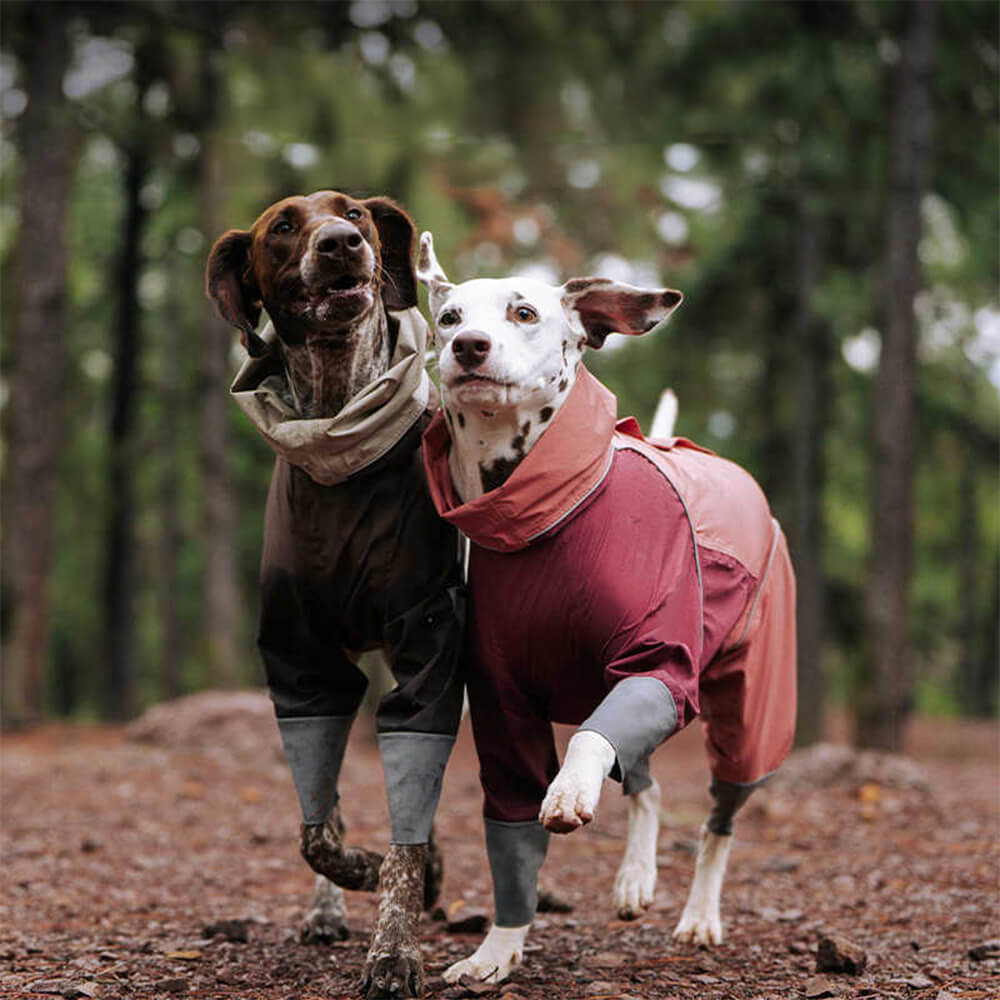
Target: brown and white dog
x=355, y=557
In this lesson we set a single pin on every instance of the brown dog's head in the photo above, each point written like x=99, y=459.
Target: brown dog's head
x=317, y=263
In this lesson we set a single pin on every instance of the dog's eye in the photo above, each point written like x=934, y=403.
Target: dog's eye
x=525, y=314
x=448, y=318
x=281, y=227
x=353, y=214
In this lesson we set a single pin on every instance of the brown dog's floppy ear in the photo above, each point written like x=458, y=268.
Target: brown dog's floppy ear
x=396, y=233
x=605, y=306
x=228, y=283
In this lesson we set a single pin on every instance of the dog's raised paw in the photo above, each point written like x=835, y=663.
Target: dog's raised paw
x=567, y=807
x=393, y=977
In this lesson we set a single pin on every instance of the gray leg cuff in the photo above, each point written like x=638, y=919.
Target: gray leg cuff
x=637, y=715
x=729, y=799
x=516, y=852
x=314, y=749
x=638, y=779
x=414, y=769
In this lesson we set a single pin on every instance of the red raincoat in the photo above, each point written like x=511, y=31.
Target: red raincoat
x=606, y=556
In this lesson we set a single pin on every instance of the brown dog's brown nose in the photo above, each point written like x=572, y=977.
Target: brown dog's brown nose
x=471, y=348
x=338, y=237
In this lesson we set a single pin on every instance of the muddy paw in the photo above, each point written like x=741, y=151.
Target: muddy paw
x=320, y=927
x=392, y=977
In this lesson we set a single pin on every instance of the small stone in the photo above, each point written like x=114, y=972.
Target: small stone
x=919, y=982
x=88, y=845
x=945, y=995
x=604, y=959
x=988, y=949
x=175, y=984
x=230, y=930
x=475, y=923
x=600, y=987
x=819, y=986
x=549, y=902
x=475, y=987
x=780, y=864
x=838, y=954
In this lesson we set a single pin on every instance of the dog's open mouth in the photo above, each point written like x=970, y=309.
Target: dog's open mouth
x=476, y=378
x=324, y=300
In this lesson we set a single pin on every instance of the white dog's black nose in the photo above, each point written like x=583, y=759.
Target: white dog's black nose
x=471, y=348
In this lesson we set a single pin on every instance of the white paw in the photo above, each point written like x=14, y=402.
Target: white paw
x=571, y=800
x=699, y=928
x=635, y=884
x=493, y=960
x=569, y=804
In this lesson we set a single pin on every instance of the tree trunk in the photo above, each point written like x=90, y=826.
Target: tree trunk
x=886, y=692
x=171, y=538
x=38, y=376
x=813, y=357
x=119, y=687
x=221, y=600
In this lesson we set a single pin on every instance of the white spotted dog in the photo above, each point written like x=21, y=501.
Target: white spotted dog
x=617, y=584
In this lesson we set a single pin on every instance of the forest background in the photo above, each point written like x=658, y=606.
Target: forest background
x=820, y=179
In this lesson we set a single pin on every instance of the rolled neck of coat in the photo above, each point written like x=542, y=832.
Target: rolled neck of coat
x=332, y=449
x=566, y=465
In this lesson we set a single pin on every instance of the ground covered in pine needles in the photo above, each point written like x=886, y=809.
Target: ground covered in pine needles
x=123, y=847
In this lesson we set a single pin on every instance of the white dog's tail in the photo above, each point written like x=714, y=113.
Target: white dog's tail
x=665, y=416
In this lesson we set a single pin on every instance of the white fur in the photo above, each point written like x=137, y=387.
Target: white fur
x=493, y=960
x=635, y=882
x=571, y=800
x=701, y=922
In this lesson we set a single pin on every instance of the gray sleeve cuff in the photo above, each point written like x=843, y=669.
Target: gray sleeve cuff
x=636, y=716
x=413, y=764
x=314, y=748
x=516, y=852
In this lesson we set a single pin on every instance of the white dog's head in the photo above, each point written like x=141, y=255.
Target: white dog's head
x=516, y=342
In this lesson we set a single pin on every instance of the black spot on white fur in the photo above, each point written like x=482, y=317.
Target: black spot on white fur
x=546, y=414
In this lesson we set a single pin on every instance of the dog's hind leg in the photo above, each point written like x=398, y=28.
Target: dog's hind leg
x=326, y=920
x=635, y=882
x=701, y=922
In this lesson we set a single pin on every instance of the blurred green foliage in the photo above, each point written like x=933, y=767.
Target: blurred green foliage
x=655, y=142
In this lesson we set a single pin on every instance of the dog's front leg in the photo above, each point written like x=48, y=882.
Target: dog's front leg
x=571, y=800
x=394, y=968
x=636, y=878
x=516, y=852
x=494, y=960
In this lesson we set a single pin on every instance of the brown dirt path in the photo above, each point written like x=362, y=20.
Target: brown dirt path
x=117, y=853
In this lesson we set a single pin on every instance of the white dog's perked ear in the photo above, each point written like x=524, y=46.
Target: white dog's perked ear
x=431, y=274
x=603, y=306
